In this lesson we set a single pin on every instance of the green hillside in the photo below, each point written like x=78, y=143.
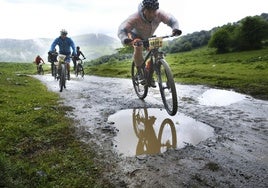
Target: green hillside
x=245, y=72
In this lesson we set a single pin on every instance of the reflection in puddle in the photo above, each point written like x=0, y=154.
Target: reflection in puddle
x=149, y=131
x=217, y=97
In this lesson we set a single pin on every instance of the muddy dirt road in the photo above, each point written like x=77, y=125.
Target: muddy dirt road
x=235, y=155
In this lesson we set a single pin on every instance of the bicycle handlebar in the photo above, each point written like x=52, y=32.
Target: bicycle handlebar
x=146, y=41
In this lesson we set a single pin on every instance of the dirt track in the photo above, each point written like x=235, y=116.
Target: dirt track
x=237, y=156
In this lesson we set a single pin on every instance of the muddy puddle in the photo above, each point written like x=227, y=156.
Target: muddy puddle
x=218, y=97
x=151, y=131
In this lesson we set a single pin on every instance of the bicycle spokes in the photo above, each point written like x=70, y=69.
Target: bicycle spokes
x=141, y=89
x=167, y=88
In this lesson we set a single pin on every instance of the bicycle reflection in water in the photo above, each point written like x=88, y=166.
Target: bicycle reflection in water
x=148, y=141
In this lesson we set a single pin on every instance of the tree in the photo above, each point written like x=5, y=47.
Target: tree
x=220, y=40
x=253, y=31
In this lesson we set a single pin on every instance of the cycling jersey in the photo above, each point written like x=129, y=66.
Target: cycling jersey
x=138, y=26
x=65, y=46
x=38, y=60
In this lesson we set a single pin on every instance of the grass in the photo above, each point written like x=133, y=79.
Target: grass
x=38, y=145
x=245, y=72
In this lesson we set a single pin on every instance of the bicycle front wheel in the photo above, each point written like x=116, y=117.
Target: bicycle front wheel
x=167, y=87
x=62, y=80
x=166, y=130
x=141, y=90
x=54, y=71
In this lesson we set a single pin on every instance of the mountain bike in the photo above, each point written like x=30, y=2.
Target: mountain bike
x=40, y=69
x=52, y=58
x=79, y=70
x=149, y=142
x=155, y=65
x=63, y=74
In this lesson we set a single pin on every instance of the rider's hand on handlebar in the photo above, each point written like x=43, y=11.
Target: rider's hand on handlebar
x=176, y=32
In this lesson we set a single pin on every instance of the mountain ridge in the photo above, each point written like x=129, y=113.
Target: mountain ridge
x=92, y=45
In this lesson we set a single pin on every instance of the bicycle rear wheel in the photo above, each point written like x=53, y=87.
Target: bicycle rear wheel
x=79, y=70
x=82, y=71
x=139, y=117
x=141, y=90
x=167, y=87
x=62, y=80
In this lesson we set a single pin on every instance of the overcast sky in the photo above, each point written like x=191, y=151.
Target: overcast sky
x=27, y=19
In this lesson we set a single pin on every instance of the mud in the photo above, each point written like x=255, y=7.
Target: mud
x=236, y=155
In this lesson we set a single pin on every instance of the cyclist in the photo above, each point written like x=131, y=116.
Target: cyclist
x=52, y=58
x=142, y=25
x=65, y=44
x=77, y=57
x=38, y=60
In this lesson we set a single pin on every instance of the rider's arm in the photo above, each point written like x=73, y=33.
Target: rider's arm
x=53, y=45
x=168, y=19
x=73, y=47
x=83, y=55
x=125, y=28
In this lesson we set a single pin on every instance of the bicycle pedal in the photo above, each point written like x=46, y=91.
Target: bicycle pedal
x=154, y=86
x=142, y=82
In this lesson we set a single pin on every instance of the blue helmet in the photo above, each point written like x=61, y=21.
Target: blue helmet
x=150, y=4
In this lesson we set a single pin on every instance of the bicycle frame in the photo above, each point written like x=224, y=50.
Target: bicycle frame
x=40, y=69
x=79, y=68
x=154, y=55
x=160, y=67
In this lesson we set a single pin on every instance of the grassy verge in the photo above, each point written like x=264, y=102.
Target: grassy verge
x=38, y=145
x=245, y=72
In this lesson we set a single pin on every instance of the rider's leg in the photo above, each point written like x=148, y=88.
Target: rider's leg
x=138, y=59
x=138, y=56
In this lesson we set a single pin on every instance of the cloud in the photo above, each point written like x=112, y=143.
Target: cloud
x=24, y=19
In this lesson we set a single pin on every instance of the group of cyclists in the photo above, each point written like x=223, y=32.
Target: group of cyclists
x=52, y=58
x=137, y=27
x=65, y=45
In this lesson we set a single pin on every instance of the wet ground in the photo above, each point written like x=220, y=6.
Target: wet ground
x=218, y=138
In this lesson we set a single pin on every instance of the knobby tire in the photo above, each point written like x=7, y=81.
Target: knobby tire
x=141, y=90
x=62, y=80
x=167, y=87
x=167, y=126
